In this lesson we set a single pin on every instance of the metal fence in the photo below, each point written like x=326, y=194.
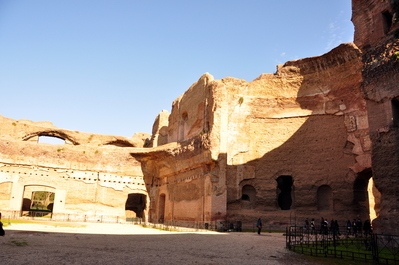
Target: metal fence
x=48, y=216
x=180, y=225
x=366, y=247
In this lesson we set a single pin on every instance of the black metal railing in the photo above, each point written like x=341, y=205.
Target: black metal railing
x=366, y=247
x=49, y=216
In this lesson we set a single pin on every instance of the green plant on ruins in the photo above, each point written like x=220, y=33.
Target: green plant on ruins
x=396, y=56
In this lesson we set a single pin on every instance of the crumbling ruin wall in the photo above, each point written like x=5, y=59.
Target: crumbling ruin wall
x=287, y=146
x=91, y=175
x=377, y=35
x=308, y=122
x=186, y=184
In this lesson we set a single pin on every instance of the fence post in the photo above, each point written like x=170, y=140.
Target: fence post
x=335, y=243
x=316, y=243
x=287, y=238
x=374, y=248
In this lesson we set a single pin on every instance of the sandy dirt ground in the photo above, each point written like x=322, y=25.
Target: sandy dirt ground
x=88, y=243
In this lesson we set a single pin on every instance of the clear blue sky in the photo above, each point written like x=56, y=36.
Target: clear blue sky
x=111, y=66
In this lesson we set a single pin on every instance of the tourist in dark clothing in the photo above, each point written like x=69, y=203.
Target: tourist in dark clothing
x=324, y=226
x=2, y=233
x=336, y=227
x=354, y=228
x=359, y=225
x=367, y=227
x=332, y=226
x=312, y=225
x=349, y=227
x=259, y=225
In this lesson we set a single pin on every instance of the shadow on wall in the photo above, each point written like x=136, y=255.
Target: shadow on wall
x=311, y=170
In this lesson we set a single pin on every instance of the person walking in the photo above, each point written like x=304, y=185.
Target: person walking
x=259, y=225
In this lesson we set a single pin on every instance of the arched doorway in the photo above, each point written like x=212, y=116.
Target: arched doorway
x=135, y=205
x=161, y=208
x=248, y=193
x=324, y=198
x=38, y=201
x=284, y=189
x=366, y=197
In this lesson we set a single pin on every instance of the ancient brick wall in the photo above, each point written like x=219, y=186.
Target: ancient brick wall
x=91, y=175
x=308, y=121
x=377, y=34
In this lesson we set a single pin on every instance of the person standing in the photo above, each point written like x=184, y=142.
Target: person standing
x=306, y=225
x=2, y=233
x=313, y=226
x=359, y=227
x=259, y=225
x=349, y=227
x=354, y=228
x=367, y=227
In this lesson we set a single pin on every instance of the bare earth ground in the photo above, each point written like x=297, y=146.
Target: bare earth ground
x=88, y=243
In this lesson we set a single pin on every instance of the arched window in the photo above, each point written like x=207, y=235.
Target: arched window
x=51, y=140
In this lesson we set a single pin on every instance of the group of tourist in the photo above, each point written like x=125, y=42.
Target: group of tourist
x=355, y=228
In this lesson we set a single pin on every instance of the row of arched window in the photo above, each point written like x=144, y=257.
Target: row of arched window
x=284, y=194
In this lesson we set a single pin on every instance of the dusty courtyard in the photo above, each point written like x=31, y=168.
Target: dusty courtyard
x=130, y=244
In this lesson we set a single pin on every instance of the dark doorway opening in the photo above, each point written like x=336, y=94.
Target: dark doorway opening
x=284, y=185
x=248, y=193
x=161, y=208
x=360, y=193
x=135, y=205
x=324, y=198
x=387, y=21
x=395, y=111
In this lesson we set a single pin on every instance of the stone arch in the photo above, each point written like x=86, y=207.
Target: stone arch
x=248, y=193
x=51, y=133
x=284, y=191
x=51, y=140
x=324, y=198
x=120, y=143
x=136, y=202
